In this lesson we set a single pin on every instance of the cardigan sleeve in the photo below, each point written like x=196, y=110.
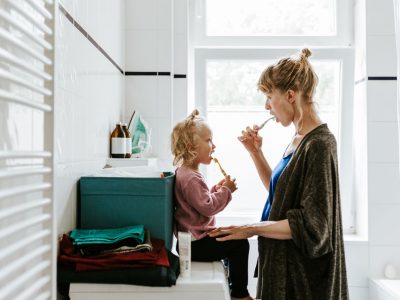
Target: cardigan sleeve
x=311, y=224
x=206, y=202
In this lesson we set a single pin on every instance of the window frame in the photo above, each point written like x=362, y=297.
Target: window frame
x=345, y=111
x=343, y=37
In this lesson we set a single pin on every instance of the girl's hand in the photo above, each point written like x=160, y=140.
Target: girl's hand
x=230, y=184
x=219, y=184
x=250, y=139
x=231, y=233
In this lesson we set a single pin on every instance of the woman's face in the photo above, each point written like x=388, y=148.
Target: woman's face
x=280, y=105
x=204, y=145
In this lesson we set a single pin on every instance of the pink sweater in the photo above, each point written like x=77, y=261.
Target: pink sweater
x=196, y=205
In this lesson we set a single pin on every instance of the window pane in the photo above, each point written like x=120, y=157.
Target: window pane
x=270, y=17
x=234, y=103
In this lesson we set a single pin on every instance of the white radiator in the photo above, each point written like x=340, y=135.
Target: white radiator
x=27, y=235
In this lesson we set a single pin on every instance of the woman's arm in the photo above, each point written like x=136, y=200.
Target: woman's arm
x=279, y=230
x=252, y=143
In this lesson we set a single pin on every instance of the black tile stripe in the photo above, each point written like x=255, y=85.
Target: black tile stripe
x=130, y=73
x=382, y=77
x=98, y=47
x=85, y=34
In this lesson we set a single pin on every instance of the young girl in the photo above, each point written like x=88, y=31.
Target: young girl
x=196, y=204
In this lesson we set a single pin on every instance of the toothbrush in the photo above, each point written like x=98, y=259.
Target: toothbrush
x=265, y=122
x=222, y=170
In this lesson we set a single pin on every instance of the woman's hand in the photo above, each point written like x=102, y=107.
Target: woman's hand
x=250, y=139
x=231, y=233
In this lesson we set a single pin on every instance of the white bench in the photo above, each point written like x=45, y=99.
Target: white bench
x=207, y=282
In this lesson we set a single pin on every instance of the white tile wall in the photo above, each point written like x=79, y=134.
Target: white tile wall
x=141, y=95
x=89, y=97
x=141, y=14
x=141, y=50
x=380, y=17
x=383, y=187
x=381, y=55
x=380, y=256
x=382, y=100
x=383, y=149
x=384, y=223
x=383, y=142
x=356, y=264
x=359, y=293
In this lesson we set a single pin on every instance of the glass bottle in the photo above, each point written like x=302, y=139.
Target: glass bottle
x=128, y=141
x=118, y=142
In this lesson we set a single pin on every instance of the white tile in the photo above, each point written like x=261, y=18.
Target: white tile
x=164, y=141
x=383, y=183
x=383, y=224
x=164, y=104
x=381, y=55
x=180, y=101
x=164, y=49
x=383, y=142
x=141, y=95
x=357, y=259
x=180, y=16
x=380, y=256
x=160, y=130
x=95, y=21
x=358, y=293
x=382, y=104
x=180, y=54
x=80, y=12
x=164, y=10
x=141, y=14
x=68, y=5
x=380, y=17
x=66, y=177
x=141, y=50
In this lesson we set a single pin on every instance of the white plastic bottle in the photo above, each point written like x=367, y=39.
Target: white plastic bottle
x=185, y=242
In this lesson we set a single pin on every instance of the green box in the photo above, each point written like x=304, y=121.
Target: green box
x=111, y=202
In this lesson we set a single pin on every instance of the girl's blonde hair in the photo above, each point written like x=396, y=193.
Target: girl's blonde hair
x=184, y=138
x=295, y=74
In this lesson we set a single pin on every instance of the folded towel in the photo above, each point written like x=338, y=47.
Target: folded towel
x=107, y=236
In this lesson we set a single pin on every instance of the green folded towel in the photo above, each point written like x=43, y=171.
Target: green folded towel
x=107, y=236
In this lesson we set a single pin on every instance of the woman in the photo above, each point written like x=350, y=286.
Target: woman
x=300, y=239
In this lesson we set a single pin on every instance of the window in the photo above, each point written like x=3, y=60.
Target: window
x=225, y=91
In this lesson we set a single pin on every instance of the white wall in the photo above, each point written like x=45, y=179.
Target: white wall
x=376, y=146
x=89, y=95
x=383, y=150
x=156, y=42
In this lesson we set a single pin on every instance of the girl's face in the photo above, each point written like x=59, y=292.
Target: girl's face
x=204, y=146
x=281, y=105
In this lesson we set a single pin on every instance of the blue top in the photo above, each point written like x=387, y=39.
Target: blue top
x=276, y=173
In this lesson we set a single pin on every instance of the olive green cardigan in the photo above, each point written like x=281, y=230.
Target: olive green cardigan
x=312, y=264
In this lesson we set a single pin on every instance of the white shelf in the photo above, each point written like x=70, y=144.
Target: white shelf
x=132, y=162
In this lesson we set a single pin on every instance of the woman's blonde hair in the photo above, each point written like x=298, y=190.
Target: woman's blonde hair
x=184, y=138
x=295, y=74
